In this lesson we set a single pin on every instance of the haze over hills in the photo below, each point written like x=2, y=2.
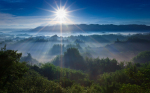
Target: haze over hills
x=74, y=46
x=93, y=27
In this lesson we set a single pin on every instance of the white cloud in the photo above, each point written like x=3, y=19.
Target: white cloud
x=9, y=20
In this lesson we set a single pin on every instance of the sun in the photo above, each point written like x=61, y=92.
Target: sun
x=61, y=14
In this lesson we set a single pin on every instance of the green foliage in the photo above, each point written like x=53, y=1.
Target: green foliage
x=32, y=82
x=56, y=73
x=65, y=82
x=97, y=75
x=140, y=78
x=94, y=67
x=73, y=59
x=29, y=59
x=111, y=81
x=142, y=57
x=10, y=68
x=139, y=75
x=94, y=88
x=58, y=49
x=76, y=89
x=58, y=61
x=128, y=88
x=98, y=66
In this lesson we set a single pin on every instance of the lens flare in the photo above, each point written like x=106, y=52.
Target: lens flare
x=61, y=13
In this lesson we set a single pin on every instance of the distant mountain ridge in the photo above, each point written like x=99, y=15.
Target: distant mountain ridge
x=93, y=27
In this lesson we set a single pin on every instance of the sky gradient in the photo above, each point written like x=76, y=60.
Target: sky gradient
x=30, y=13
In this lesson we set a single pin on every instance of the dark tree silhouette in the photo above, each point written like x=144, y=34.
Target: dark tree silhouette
x=10, y=67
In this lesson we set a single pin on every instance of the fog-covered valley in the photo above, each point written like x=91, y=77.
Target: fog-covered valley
x=44, y=47
x=74, y=46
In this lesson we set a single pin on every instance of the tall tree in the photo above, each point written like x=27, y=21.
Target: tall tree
x=10, y=67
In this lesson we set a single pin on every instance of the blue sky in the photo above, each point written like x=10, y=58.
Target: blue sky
x=30, y=13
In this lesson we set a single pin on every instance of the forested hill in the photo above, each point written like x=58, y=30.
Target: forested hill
x=93, y=27
x=94, y=75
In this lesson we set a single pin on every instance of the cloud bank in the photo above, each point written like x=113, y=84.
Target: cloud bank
x=13, y=21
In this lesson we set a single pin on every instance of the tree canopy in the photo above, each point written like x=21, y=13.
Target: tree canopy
x=10, y=67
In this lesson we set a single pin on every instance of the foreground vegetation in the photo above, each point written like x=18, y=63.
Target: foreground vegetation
x=71, y=73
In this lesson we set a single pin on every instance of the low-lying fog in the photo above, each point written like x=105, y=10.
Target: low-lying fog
x=44, y=46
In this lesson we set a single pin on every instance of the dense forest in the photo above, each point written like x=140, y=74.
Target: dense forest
x=73, y=73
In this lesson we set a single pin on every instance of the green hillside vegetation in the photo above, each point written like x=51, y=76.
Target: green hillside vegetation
x=141, y=36
x=57, y=49
x=29, y=59
x=72, y=59
x=133, y=40
x=89, y=75
x=142, y=57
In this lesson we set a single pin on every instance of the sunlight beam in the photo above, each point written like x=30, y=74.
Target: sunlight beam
x=51, y=6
